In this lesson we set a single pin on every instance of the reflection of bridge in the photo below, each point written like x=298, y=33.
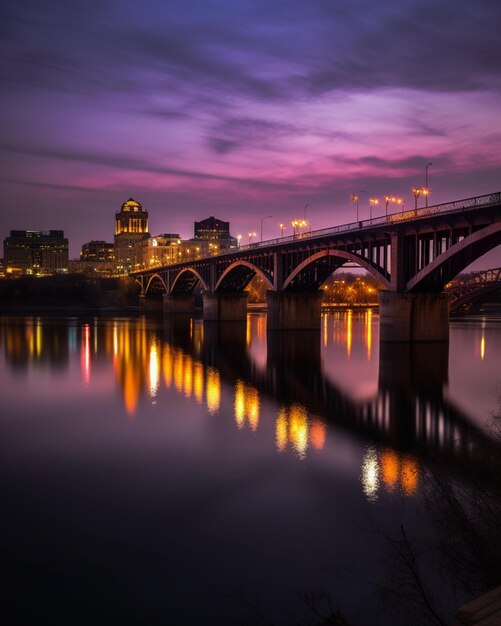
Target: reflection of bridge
x=409, y=412
x=413, y=254
x=469, y=293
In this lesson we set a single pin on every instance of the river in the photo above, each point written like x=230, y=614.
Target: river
x=160, y=471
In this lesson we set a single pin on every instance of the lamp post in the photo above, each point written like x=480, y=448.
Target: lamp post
x=238, y=239
x=372, y=202
x=426, y=190
x=282, y=226
x=251, y=235
x=262, y=220
x=354, y=198
x=393, y=200
x=417, y=192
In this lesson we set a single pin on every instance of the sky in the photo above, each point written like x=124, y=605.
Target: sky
x=242, y=110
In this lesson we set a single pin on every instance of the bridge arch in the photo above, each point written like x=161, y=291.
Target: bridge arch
x=241, y=272
x=154, y=279
x=186, y=280
x=339, y=257
x=450, y=263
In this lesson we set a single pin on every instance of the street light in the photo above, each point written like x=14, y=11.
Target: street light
x=417, y=192
x=354, y=198
x=282, y=226
x=426, y=189
x=393, y=200
x=251, y=235
x=238, y=240
x=372, y=202
x=262, y=220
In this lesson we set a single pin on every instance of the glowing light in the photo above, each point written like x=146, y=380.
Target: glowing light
x=390, y=467
x=85, y=352
x=188, y=376
x=298, y=429
x=178, y=371
x=154, y=370
x=349, y=330
x=198, y=381
x=317, y=434
x=239, y=404
x=213, y=390
x=167, y=366
x=409, y=476
x=246, y=405
x=370, y=474
x=368, y=332
x=281, y=430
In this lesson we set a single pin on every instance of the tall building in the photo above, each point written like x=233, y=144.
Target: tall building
x=212, y=236
x=212, y=228
x=97, y=251
x=131, y=227
x=36, y=252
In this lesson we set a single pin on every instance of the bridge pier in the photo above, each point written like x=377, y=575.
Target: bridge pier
x=413, y=316
x=225, y=306
x=179, y=303
x=293, y=310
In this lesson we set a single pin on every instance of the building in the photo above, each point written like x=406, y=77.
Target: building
x=97, y=251
x=212, y=236
x=131, y=228
x=35, y=252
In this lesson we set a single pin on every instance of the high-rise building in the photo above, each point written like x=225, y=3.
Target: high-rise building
x=131, y=227
x=97, y=251
x=36, y=252
x=213, y=236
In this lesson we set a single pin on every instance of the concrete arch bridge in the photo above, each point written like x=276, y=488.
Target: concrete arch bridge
x=414, y=254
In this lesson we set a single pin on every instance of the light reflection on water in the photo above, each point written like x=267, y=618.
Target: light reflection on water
x=333, y=403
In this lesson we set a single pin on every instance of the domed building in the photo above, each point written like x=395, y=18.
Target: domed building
x=131, y=228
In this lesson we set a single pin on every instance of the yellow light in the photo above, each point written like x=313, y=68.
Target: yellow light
x=239, y=404
x=154, y=369
x=298, y=429
x=198, y=381
x=213, y=390
x=281, y=436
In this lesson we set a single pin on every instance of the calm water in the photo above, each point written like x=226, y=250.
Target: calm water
x=160, y=472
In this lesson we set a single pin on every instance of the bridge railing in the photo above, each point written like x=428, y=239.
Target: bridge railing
x=467, y=204
x=477, y=202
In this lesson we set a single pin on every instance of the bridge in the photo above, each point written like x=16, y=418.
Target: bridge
x=475, y=290
x=413, y=254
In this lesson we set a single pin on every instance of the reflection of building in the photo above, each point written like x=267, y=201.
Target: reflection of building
x=38, y=252
x=131, y=227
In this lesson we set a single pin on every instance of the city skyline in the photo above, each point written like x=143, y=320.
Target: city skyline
x=242, y=111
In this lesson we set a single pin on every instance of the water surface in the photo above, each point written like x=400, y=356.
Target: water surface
x=174, y=472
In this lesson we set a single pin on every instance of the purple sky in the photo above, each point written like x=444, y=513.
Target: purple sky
x=242, y=109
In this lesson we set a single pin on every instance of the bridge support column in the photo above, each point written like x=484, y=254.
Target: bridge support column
x=294, y=311
x=413, y=316
x=225, y=306
x=150, y=303
x=179, y=303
